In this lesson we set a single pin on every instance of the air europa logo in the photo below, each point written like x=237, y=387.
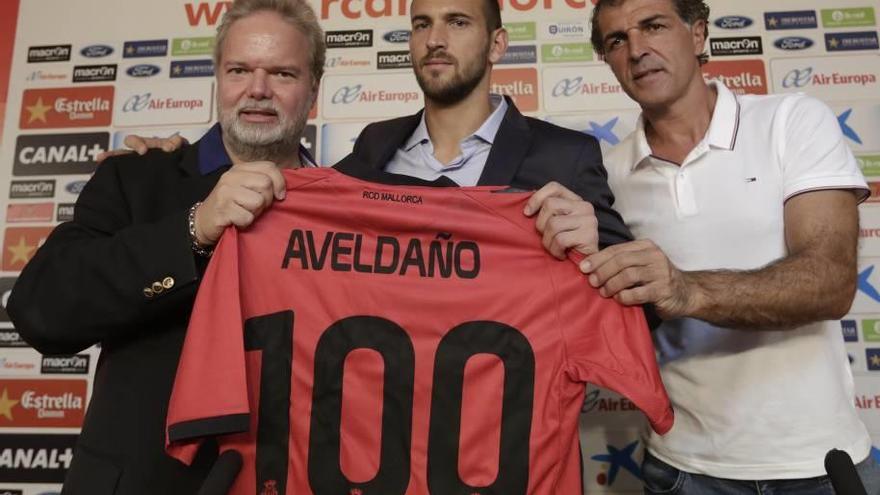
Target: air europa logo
x=348, y=62
x=17, y=365
x=88, y=106
x=520, y=84
x=145, y=101
x=807, y=76
x=594, y=401
x=177, y=102
x=347, y=95
x=574, y=86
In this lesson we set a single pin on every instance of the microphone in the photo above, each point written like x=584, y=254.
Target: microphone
x=222, y=474
x=842, y=472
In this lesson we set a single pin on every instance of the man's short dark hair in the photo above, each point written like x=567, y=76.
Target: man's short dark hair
x=492, y=9
x=690, y=11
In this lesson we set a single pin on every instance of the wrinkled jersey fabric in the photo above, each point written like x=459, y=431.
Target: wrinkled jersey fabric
x=362, y=339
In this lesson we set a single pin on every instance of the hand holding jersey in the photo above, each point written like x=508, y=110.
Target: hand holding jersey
x=564, y=219
x=239, y=197
x=639, y=272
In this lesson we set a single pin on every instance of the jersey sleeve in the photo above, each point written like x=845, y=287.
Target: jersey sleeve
x=814, y=153
x=210, y=389
x=609, y=345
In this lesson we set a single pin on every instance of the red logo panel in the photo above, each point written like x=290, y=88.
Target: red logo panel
x=519, y=84
x=90, y=106
x=42, y=403
x=20, y=244
x=740, y=76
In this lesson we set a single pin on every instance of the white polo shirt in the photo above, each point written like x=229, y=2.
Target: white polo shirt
x=748, y=405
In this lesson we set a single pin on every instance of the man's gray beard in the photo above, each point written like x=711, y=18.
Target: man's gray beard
x=256, y=142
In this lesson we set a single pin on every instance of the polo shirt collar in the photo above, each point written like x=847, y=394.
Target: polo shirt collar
x=213, y=155
x=486, y=132
x=722, y=132
x=725, y=120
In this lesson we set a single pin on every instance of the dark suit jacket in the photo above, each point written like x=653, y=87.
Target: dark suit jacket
x=527, y=154
x=86, y=284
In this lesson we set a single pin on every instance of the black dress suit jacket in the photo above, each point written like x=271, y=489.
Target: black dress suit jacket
x=86, y=285
x=527, y=153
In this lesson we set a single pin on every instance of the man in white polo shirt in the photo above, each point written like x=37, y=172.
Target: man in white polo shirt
x=750, y=205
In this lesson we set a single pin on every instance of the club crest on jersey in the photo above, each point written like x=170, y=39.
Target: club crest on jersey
x=442, y=257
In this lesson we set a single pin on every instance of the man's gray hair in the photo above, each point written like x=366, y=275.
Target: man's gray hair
x=297, y=13
x=690, y=11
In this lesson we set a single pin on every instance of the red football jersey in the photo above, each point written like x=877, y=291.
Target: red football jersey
x=364, y=339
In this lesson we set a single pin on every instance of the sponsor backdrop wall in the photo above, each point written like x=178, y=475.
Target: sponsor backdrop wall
x=79, y=83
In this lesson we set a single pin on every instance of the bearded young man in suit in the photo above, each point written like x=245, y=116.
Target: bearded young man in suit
x=468, y=136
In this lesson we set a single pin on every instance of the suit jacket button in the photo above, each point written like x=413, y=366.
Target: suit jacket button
x=148, y=293
x=158, y=288
x=168, y=282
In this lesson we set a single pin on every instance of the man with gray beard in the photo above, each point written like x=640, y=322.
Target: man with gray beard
x=124, y=272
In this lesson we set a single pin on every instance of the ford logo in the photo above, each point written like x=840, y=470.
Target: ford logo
x=75, y=187
x=398, y=36
x=143, y=70
x=95, y=51
x=793, y=43
x=733, y=22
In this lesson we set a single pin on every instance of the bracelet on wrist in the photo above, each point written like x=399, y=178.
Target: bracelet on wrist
x=197, y=247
